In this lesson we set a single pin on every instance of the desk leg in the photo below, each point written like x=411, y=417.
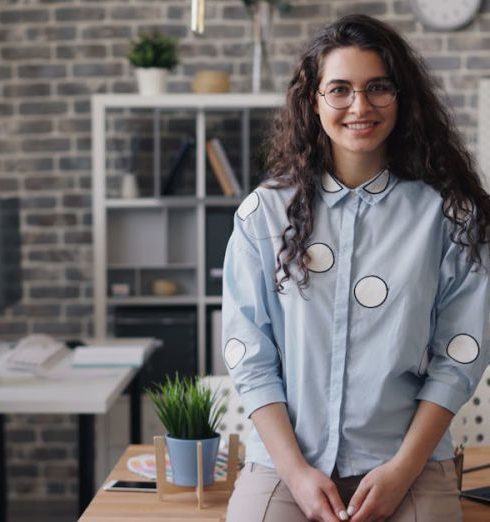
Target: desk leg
x=86, y=460
x=3, y=471
x=135, y=409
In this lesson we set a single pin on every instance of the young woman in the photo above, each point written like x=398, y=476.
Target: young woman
x=355, y=293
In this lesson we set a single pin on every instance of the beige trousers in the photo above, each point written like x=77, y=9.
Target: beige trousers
x=261, y=496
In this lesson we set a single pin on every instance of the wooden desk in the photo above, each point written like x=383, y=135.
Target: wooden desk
x=475, y=511
x=111, y=506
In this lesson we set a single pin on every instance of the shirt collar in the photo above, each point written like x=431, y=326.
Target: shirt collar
x=372, y=191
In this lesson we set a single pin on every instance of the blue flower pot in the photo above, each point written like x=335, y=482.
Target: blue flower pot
x=183, y=459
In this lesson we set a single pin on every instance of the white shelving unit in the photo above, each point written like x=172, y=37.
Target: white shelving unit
x=174, y=226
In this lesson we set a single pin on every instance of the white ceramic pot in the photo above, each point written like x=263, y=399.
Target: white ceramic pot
x=151, y=80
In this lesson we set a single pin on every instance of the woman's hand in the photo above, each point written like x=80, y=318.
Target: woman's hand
x=380, y=492
x=316, y=495
x=314, y=492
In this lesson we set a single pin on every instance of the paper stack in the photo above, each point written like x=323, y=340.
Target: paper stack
x=109, y=356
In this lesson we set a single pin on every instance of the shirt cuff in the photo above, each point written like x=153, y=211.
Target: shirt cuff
x=257, y=397
x=445, y=395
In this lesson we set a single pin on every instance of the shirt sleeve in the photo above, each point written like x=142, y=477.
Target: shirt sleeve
x=249, y=350
x=459, y=346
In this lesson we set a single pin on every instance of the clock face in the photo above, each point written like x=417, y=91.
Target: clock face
x=445, y=15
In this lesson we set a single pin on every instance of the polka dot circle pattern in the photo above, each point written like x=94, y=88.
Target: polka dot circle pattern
x=463, y=348
x=321, y=256
x=234, y=352
x=249, y=205
x=371, y=291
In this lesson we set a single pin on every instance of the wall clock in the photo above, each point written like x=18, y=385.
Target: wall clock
x=446, y=15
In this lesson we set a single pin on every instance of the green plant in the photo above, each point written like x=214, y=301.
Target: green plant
x=187, y=408
x=282, y=5
x=154, y=50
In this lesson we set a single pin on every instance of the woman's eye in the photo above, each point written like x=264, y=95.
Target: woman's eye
x=379, y=87
x=339, y=91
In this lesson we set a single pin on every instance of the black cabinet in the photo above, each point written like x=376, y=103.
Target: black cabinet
x=176, y=327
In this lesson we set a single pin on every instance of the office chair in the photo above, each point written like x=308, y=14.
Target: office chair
x=471, y=425
x=234, y=420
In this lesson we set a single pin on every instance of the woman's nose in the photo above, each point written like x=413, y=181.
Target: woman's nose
x=361, y=102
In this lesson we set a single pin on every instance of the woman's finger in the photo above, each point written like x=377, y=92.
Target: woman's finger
x=358, y=499
x=366, y=512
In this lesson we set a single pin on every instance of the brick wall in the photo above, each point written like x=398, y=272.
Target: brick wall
x=54, y=54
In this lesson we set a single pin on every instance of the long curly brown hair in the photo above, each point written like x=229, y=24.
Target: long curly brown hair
x=424, y=144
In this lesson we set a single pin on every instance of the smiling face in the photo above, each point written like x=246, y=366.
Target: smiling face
x=358, y=132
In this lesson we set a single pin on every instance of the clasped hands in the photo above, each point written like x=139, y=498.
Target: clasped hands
x=377, y=497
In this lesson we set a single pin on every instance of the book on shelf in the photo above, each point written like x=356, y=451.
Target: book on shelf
x=177, y=168
x=222, y=168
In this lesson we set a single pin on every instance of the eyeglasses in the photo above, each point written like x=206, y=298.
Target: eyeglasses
x=379, y=93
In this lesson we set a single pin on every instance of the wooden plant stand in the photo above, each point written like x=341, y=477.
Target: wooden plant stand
x=164, y=487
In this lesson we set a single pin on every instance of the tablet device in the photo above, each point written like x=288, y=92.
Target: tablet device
x=478, y=494
x=130, y=485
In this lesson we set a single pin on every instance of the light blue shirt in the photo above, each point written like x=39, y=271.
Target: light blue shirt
x=394, y=314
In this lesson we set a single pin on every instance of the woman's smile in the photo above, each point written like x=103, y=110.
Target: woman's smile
x=361, y=128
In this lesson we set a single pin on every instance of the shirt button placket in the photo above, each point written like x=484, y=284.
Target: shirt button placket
x=340, y=323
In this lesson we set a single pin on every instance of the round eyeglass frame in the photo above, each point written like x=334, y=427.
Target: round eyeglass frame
x=353, y=97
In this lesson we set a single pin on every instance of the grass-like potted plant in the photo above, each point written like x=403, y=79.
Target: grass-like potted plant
x=153, y=55
x=190, y=412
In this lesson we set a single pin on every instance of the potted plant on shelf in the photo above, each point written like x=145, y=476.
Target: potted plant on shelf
x=190, y=412
x=153, y=55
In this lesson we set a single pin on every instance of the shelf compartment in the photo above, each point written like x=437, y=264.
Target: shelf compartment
x=120, y=278
x=184, y=280
x=137, y=237
x=148, y=143
x=219, y=226
x=182, y=235
x=140, y=282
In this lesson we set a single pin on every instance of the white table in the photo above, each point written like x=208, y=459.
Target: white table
x=85, y=392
